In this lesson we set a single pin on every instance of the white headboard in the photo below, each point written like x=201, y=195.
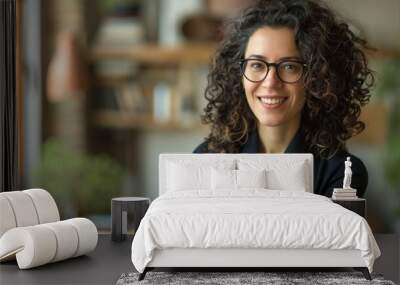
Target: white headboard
x=307, y=158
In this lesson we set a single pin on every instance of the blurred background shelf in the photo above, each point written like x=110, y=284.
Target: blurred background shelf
x=159, y=81
x=111, y=81
x=121, y=120
x=155, y=54
x=383, y=54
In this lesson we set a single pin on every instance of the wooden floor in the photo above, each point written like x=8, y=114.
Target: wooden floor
x=110, y=260
x=389, y=262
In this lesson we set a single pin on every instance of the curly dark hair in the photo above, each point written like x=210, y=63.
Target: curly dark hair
x=337, y=81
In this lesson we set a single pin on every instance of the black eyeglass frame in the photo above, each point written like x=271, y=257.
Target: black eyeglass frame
x=274, y=64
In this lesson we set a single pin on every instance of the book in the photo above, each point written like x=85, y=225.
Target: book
x=344, y=198
x=162, y=97
x=345, y=194
x=118, y=31
x=341, y=190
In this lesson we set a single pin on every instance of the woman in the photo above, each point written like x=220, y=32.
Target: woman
x=290, y=78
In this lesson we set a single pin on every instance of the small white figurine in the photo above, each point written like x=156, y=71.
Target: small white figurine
x=347, y=174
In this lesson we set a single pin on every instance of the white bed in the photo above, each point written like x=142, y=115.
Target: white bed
x=203, y=220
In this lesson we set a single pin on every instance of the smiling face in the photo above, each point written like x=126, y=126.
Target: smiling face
x=274, y=103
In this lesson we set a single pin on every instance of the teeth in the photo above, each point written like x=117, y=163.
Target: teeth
x=271, y=101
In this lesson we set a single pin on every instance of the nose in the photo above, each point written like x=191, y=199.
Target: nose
x=272, y=79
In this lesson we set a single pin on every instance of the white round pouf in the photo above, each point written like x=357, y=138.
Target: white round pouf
x=23, y=208
x=7, y=218
x=45, y=205
x=67, y=239
x=34, y=245
x=87, y=235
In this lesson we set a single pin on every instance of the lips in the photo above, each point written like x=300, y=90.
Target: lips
x=272, y=101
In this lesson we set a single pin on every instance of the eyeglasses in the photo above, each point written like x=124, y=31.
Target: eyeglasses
x=288, y=71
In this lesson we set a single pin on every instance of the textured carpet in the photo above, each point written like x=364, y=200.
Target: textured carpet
x=243, y=278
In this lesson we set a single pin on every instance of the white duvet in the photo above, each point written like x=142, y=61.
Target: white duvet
x=252, y=218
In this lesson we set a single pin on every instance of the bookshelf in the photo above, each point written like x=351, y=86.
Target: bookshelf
x=174, y=66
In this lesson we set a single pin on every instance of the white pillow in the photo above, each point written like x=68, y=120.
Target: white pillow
x=281, y=174
x=223, y=179
x=293, y=179
x=251, y=178
x=193, y=174
x=227, y=179
x=182, y=178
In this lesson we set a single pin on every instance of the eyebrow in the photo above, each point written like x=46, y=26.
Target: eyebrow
x=280, y=59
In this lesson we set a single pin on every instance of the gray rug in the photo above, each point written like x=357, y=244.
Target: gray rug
x=243, y=278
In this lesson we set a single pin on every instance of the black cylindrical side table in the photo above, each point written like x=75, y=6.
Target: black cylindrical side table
x=126, y=214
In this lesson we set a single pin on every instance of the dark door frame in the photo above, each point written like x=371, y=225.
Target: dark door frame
x=8, y=101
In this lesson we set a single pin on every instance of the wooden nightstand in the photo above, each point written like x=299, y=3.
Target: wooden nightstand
x=358, y=205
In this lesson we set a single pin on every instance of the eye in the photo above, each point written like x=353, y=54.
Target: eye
x=255, y=65
x=292, y=67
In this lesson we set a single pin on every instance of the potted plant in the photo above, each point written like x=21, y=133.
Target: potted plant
x=81, y=184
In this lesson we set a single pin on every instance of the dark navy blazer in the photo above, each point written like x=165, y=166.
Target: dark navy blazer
x=328, y=173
